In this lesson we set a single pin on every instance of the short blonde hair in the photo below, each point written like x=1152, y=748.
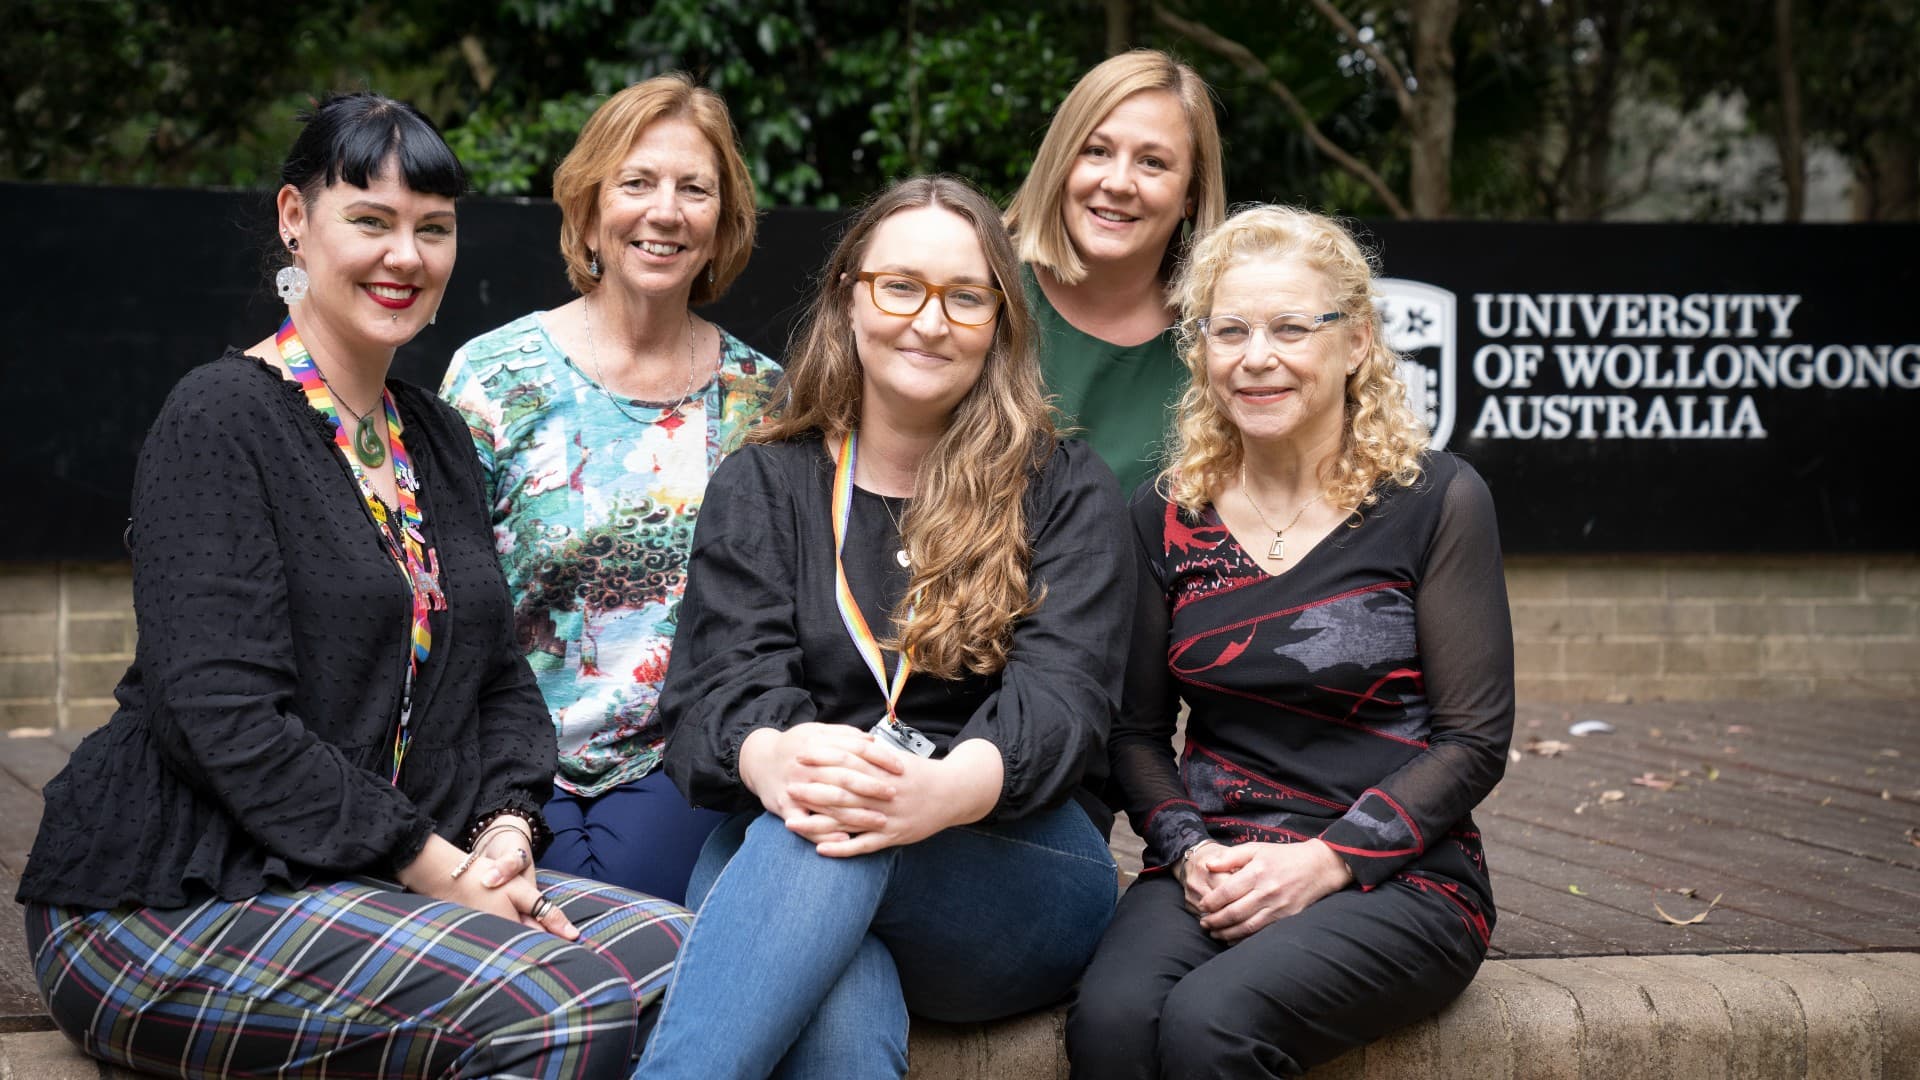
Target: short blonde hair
x=1033, y=217
x=1383, y=439
x=607, y=140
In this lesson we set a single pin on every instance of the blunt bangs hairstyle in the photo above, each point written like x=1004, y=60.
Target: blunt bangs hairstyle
x=966, y=529
x=1034, y=216
x=352, y=137
x=1383, y=439
x=607, y=140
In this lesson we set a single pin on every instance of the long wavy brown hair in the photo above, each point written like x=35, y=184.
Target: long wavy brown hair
x=966, y=529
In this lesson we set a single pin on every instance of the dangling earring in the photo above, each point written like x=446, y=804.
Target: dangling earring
x=593, y=265
x=291, y=282
x=433, y=318
x=709, y=273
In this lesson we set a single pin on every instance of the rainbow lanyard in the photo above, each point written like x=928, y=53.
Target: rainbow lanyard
x=856, y=623
x=418, y=562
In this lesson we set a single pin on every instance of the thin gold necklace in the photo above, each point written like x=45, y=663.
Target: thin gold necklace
x=1277, y=549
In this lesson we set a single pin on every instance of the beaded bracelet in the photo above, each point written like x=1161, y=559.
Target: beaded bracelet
x=538, y=833
x=505, y=824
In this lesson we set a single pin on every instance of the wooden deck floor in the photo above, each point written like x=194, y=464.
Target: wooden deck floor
x=1804, y=819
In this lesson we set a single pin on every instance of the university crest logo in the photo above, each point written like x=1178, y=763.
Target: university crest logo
x=1420, y=323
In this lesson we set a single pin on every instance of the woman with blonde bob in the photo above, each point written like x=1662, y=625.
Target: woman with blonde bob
x=1325, y=594
x=898, y=658
x=597, y=425
x=1128, y=171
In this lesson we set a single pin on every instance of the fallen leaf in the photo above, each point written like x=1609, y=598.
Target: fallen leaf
x=1889, y=752
x=1690, y=893
x=1547, y=747
x=1828, y=801
x=1612, y=795
x=1737, y=729
x=1513, y=755
x=1653, y=733
x=1887, y=795
x=1687, y=922
x=1655, y=781
x=1913, y=837
x=30, y=733
x=1712, y=773
x=1576, y=890
x=1582, y=808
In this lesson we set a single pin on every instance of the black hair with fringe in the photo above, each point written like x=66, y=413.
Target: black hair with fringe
x=351, y=137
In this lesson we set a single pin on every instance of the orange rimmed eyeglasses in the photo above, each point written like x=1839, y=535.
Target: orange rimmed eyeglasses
x=905, y=295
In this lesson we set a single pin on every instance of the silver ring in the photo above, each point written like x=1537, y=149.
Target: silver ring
x=525, y=859
x=541, y=907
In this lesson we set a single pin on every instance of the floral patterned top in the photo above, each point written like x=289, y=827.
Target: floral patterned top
x=593, y=512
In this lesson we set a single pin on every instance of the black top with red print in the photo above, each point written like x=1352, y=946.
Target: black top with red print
x=1364, y=697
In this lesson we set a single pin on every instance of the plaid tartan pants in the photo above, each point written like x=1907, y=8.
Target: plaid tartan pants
x=359, y=978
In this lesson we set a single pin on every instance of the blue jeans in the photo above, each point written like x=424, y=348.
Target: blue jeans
x=641, y=835
x=805, y=966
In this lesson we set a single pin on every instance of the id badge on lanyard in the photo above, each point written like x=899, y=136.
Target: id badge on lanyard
x=889, y=729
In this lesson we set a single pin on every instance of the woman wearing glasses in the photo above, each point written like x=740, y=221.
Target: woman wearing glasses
x=1326, y=595
x=898, y=657
x=1129, y=168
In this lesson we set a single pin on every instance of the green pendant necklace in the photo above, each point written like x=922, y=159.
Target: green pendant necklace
x=368, y=446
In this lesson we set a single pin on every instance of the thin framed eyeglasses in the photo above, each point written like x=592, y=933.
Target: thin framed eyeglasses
x=903, y=295
x=1230, y=335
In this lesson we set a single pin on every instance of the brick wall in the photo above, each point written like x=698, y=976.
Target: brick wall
x=66, y=636
x=1584, y=629
x=1680, y=628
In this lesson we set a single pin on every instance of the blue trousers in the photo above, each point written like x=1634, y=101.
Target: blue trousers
x=805, y=966
x=641, y=835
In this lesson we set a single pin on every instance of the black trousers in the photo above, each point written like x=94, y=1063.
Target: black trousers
x=1163, y=1000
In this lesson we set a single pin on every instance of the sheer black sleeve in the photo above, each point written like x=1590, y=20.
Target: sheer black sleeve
x=1146, y=778
x=1466, y=654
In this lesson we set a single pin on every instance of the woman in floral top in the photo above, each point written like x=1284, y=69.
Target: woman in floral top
x=597, y=425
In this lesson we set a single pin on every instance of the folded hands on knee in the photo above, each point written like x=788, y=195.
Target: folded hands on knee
x=1238, y=891
x=499, y=880
x=850, y=794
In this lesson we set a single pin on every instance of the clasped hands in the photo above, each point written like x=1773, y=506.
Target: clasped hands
x=1240, y=890
x=498, y=878
x=849, y=794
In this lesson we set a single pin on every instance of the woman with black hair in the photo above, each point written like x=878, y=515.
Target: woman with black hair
x=257, y=866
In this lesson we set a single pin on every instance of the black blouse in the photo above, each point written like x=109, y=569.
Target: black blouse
x=252, y=741
x=760, y=641
x=1364, y=697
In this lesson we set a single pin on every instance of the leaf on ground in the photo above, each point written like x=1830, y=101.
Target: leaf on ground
x=1655, y=781
x=1738, y=729
x=1889, y=752
x=1712, y=773
x=1702, y=917
x=1514, y=756
x=1689, y=892
x=1612, y=795
x=30, y=733
x=1576, y=890
x=1913, y=837
x=1547, y=747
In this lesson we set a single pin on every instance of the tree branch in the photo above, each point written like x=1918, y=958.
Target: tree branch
x=1374, y=52
x=1251, y=66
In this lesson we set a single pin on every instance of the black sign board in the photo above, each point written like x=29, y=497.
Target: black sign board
x=1624, y=388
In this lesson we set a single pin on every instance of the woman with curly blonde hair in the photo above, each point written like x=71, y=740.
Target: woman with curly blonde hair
x=898, y=658
x=1326, y=596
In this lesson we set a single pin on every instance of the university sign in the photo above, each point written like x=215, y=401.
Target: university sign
x=1666, y=388
x=1623, y=388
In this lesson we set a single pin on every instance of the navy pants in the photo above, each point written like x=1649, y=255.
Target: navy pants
x=641, y=835
x=1163, y=1000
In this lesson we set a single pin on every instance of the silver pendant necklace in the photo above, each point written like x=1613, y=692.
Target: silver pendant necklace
x=1277, y=549
x=599, y=380
x=900, y=553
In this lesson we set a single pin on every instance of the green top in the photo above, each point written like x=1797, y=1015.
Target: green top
x=1120, y=395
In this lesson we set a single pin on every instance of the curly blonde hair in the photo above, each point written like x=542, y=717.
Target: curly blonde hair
x=966, y=530
x=1382, y=440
